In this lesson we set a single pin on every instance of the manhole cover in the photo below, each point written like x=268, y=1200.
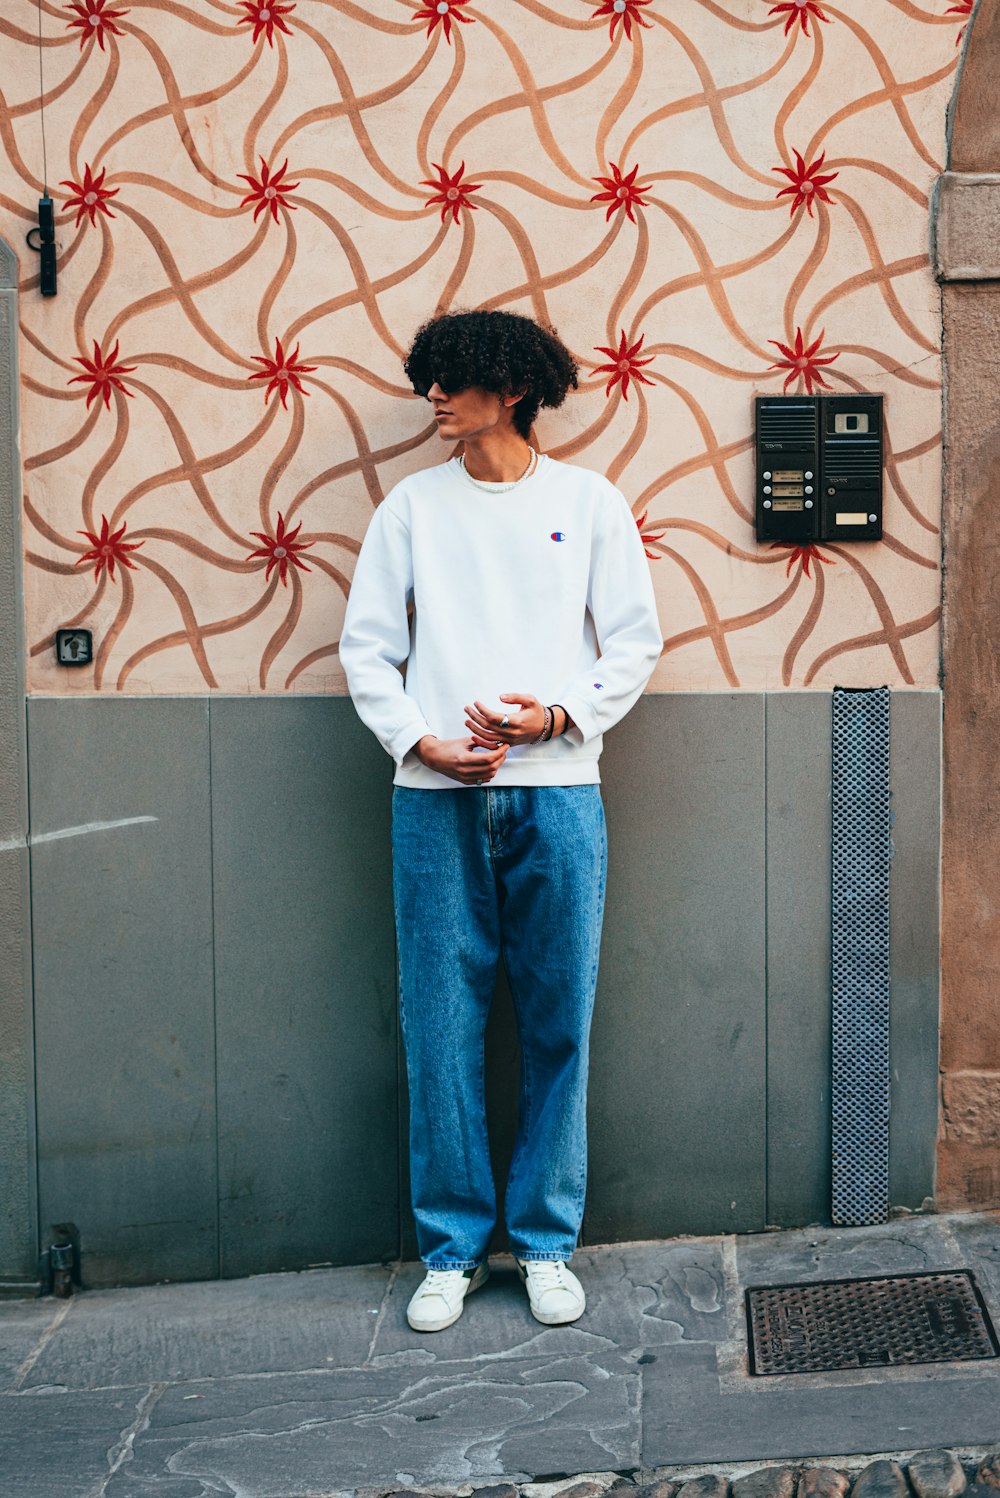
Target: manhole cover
x=875, y=1323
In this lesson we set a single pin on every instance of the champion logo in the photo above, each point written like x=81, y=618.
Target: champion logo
x=598, y=686
x=558, y=536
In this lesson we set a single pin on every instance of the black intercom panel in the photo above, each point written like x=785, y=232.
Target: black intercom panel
x=787, y=468
x=851, y=468
x=818, y=468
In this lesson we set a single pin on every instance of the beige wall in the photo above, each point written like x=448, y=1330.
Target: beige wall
x=534, y=101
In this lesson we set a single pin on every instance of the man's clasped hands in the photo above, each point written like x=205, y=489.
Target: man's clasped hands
x=475, y=759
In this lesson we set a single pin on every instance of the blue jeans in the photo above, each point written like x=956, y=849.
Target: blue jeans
x=516, y=871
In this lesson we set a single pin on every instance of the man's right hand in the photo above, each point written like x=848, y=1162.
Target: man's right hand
x=459, y=759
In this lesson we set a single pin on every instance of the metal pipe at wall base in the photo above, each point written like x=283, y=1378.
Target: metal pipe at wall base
x=60, y=1262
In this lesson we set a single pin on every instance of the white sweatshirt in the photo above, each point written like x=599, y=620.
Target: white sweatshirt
x=543, y=589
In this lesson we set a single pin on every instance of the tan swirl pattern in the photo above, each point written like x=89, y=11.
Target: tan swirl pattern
x=258, y=202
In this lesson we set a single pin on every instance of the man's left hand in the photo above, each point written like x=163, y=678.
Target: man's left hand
x=525, y=721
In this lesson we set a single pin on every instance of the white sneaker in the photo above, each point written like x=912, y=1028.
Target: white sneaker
x=554, y=1292
x=440, y=1300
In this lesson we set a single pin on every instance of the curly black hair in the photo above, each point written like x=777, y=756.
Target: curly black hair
x=498, y=351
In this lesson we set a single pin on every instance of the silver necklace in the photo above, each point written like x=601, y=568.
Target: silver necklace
x=492, y=488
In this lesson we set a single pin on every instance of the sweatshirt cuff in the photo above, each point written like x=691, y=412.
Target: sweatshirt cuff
x=401, y=741
x=583, y=715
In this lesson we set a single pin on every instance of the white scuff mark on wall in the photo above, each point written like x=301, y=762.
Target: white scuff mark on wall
x=81, y=831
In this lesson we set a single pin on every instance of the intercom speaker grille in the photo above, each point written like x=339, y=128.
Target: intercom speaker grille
x=787, y=421
x=857, y=458
x=860, y=955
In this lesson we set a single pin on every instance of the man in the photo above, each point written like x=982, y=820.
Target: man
x=533, y=630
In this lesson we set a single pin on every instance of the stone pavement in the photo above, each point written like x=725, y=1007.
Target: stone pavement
x=312, y=1384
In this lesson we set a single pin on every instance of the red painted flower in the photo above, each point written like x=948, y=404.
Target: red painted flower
x=89, y=195
x=624, y=366
x=801, y=362
x=621, y=192
x=798, y=10
x=804, y=554
x=442, y=13
x=280, y=549
x=263, y=16
x=270, y=192
x=622, y=13
x=644, y=535
x=94, y=18
x=963, y=8
x=106, y=549
x=452, y=193
x=102, y=374
x=805, y=185
x=281, y=372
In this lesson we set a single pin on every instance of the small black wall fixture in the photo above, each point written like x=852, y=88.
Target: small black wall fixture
x=74, y=647
x=46, y=246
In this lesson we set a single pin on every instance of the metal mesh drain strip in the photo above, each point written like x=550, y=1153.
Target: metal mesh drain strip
x=873, y=1323
x=860, y=952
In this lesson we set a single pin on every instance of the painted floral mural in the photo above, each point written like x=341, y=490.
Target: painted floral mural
x=258, y=203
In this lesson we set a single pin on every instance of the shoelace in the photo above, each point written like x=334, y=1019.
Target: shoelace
x=548, y=1275
x=437, y=1279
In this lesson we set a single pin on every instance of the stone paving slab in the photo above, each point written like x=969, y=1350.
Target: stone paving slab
x=305, y=1433
x=160, y=1333
x=908, y=1245
x=22, y=1324
x=638, y=1295
x=977, y=1243
x=691, y=1414
x=56, y=1445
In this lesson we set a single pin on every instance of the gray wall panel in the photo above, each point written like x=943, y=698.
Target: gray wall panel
x=914, y=926
x=798, y=957
x=694, y=1034
x=305, y=984
x=123, y=983
x=798, y=754
x=678, y=1084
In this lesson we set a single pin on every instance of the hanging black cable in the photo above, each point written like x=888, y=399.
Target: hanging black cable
x=46, y=227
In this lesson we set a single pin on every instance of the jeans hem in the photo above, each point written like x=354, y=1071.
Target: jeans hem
x=453, y=1263
x=555, y=1257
